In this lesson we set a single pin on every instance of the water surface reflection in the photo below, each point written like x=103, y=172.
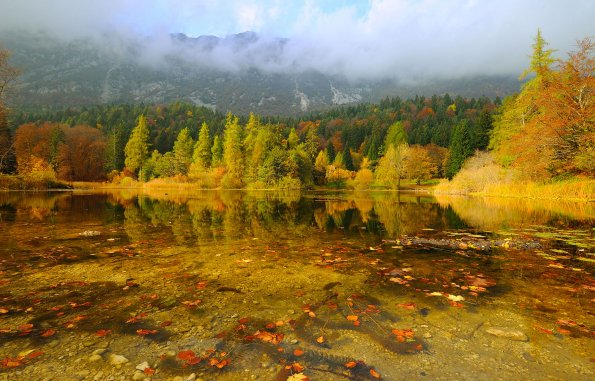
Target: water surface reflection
x=241, y=285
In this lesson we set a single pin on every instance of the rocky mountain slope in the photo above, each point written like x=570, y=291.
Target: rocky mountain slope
x=240, y=73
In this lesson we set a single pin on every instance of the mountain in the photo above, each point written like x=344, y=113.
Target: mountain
x=241, y=73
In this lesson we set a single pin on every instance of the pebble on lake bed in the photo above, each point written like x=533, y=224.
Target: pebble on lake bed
x=507, y=333
x=115, y=359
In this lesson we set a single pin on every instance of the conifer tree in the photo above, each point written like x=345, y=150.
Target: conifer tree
x=232, y=153
x=348, y=160
x=460, y=149
x=137, y=148
x=202, y=149
x=292, y=139
x=183, y=150
x=217, y=152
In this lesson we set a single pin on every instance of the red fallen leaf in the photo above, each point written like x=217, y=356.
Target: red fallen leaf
x=201, y=285
x=352, y=317
x=544, y=330
x=298, y=352
x=10, y=362
x=26, y=328
x=103, y=332
x=350, y=364
x=244, y=320
x=374, y=374
x=297, y=367
x=137, y=318
x=455, y=304
x=223, y=363
x=407, y=306
x=268, y=337
x=563, y=331
x=166, y=323
x=144, y=332
x=568, y=323
x=189, y=303
x=186, y=355
x=213, y=361
x=48, y=333
x=35, y=354
x=357, y=323
x=403, y=335
x=149, y=371
x=271, y=326
x=419, y=347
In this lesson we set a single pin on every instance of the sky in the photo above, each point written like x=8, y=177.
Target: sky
x=357, y=38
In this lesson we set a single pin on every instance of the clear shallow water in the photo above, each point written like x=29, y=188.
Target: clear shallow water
x=271, y=286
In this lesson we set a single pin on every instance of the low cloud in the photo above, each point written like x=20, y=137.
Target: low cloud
x=405, y=39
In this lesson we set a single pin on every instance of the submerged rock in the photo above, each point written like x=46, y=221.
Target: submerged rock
x=90, y=233
x=115, y=359
x=507, y=333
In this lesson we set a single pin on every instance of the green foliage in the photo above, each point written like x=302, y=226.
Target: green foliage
x=293, y=139
x=137, y=148
x=217, y=152
x=233, y=157
x=348, y=160
x=395, y=136
x=460, y=149
x=183, y=150
x=202, y=149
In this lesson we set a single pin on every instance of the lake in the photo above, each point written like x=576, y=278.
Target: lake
x=237, y=285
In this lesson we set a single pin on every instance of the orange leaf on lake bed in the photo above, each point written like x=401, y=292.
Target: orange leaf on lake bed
x=144, y=332
x=194, y=303
x=407, y=306
x=48, y=333
x=26, y=328
x=149, y=371
x=103, y=332
x=352, y=317
x=320, y=340
x=297, y=367
x=34, y=354
x=374, y=374
x=186, y=355
x=298, y=352
x=350, y=364
x=10, y=362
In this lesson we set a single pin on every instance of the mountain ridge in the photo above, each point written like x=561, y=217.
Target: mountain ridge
x=222, y=73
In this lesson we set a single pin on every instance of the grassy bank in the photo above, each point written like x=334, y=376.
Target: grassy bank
x=580, y=189
x=36, y=182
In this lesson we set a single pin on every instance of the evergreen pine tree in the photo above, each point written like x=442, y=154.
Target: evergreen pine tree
x=137, y=148
x=217, y=152
x=183, y=150
x=348, y=160
x=460, y=149
x=202, y=149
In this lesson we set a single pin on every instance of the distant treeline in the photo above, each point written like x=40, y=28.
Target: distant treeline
x=65, y=139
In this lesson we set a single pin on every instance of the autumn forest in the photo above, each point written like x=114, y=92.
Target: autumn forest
x=543, y=133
